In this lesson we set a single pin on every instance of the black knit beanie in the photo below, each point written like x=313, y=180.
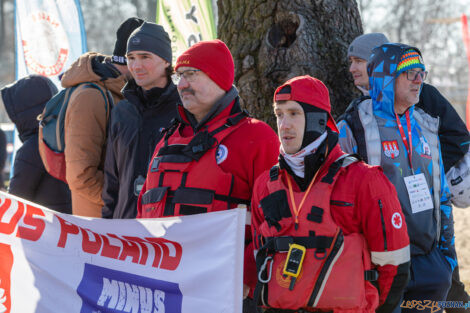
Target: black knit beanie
x=153, y=38
x=122, y=34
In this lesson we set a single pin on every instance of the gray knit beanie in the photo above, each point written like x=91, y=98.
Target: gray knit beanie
x=153, y=38
x=362, y=46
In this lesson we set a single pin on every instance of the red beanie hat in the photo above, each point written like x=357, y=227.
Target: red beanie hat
x=310, y=90
x=213, y=58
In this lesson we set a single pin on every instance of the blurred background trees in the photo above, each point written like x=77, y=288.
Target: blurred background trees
x=432, y=26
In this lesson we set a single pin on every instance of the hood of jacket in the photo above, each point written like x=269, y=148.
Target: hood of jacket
x=94, y=67
x=382, y=71
x=25, y=99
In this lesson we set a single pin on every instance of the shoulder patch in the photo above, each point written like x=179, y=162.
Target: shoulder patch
x=391, y=149
x=397, y=220
x=222, y=153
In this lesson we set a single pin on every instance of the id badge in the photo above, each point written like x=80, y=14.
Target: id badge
x=418, y=191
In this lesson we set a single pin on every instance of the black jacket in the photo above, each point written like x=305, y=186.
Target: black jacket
x=3, y=156
x=24, y=101
x=453, y=134
x=134, y=132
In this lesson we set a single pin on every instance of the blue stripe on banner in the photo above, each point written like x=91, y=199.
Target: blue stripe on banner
x=82, y=26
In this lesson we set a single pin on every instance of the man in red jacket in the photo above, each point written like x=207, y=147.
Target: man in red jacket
x=209, y=159
x=328, y=229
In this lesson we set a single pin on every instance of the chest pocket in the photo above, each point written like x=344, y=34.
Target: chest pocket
x=343, y=212
x=278, y=217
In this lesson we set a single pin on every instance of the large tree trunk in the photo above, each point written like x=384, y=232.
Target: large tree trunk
x=274, y=40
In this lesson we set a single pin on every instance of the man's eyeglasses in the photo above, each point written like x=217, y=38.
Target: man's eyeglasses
x=413, y=75
x=189, y=75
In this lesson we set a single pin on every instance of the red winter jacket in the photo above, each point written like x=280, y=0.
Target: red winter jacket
x=248, y=150
x=362, y=201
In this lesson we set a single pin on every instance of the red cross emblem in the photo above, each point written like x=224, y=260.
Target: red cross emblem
x=397, y=221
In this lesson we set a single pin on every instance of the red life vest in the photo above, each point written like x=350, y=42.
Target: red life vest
x=334, y=275
x=184, y=177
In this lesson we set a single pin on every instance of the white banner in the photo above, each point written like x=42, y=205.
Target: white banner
x=49, y=36
x=52, y=262
x=187, y=22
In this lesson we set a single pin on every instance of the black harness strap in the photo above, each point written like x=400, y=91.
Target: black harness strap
x=281, y=244
x=231, y=121
x=336, y=166
x=174, y=123
x=332, y=171
x=274, y=173
x=231, y=199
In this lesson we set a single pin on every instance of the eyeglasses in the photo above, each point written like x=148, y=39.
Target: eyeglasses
x=189, y=75
x=413, y=75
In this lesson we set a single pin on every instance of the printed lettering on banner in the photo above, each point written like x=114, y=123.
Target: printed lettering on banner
x=89, y=265
x=106, y=290
x=45, y=44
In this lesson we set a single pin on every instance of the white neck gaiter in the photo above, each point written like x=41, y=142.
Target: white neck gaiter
x=296, y=160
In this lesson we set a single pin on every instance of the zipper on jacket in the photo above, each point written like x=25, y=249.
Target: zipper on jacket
x=335, y=251
x=383, y=225
x=340, y=203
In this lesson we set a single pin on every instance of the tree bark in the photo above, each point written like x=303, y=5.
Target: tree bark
x=275, y=40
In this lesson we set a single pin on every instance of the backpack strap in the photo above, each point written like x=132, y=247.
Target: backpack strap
x=351, y=116
x=108, y=98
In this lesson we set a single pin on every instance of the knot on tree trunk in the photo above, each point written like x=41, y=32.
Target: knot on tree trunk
x=284, y=31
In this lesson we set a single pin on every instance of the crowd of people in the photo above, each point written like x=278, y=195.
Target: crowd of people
x=347, y=217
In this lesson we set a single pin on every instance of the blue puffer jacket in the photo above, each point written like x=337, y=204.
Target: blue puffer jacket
x=24, y=100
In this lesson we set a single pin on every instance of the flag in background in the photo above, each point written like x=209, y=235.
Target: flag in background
x=187, y=22
x=466, y=41
x=49, y=36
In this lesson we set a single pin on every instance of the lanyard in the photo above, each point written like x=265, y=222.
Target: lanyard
x=408, y=146
x=292, y=199
x=291, y=192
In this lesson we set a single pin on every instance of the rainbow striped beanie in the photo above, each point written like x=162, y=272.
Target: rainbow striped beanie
x=410, y=59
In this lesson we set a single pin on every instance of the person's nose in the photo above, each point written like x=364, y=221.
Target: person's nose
x=284, y=123
x=352, y=68
x=418, y=79
x=136, y=65
x=183, y=83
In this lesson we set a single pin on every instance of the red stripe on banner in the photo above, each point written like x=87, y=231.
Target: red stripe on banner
x=466, y=41
x=6, y=264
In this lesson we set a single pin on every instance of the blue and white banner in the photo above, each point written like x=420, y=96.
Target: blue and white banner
x=49, y=36
x=52, y=262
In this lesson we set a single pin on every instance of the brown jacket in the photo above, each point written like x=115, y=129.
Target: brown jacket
x=85, y=134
